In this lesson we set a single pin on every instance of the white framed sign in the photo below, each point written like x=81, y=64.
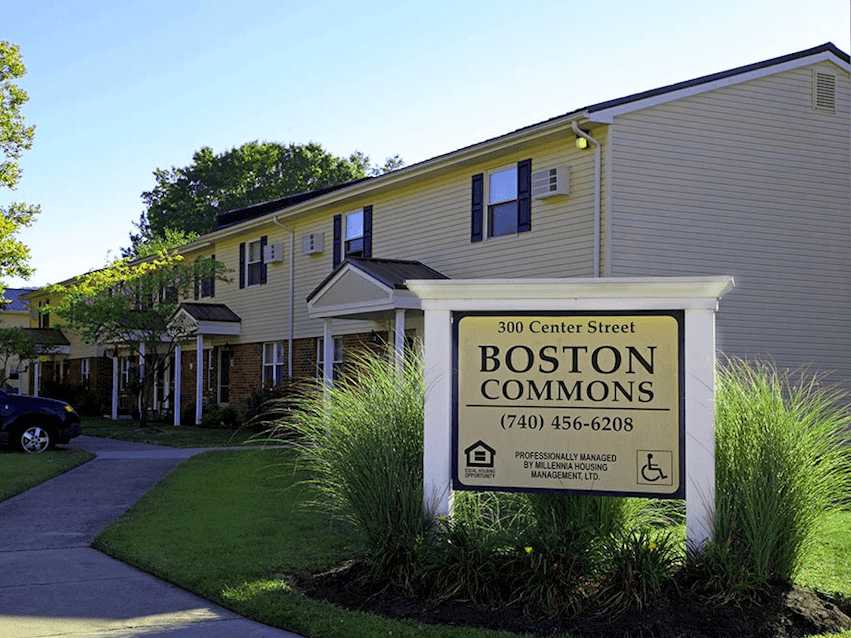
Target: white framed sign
x=475, y=388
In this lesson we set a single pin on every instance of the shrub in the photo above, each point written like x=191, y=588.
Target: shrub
x=782, y=462
x=85, y=400
x=641, y=564
x=220, y=416
x=362, y=441
x=274, y=406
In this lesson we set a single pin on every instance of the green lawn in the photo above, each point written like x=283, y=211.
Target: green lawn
x=19, y=471
x=231, y=527
x=164, y=434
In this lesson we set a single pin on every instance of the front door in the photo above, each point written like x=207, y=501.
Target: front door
x=224, y=375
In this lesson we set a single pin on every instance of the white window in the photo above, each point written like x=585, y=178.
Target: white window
x=502, y=202
x=255, y=263
x=354, y=234
x=124, y=368
x=273, y=363
x=320, y=353
x=85, y=370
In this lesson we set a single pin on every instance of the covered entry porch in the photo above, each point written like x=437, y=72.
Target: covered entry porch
x=367, y=289
x=192, y=325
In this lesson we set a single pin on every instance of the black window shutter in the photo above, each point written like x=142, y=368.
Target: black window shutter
x=367, y=231
x=338, y=239
x=477, y=207
x=242, y=265
x=524, y=196
x=263, y=265
x=212, y=275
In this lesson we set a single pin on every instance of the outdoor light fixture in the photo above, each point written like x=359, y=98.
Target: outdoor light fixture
x=581, y=143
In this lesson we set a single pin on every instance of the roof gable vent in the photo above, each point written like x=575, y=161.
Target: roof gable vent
x=824, y=92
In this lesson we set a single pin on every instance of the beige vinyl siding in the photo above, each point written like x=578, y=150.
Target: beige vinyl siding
x=79, y=348
x=263, y=308
x=751, y=181
x=429, y=221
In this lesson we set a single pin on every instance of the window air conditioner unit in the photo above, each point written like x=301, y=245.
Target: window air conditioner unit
x=550, y=182
x=313, y=243
x=273, y=253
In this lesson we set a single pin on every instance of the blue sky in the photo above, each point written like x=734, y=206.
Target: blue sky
x=120, y=88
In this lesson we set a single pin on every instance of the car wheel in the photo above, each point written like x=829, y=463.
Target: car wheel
x=35, y=439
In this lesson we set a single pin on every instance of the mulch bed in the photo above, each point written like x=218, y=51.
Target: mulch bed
x=782, y=612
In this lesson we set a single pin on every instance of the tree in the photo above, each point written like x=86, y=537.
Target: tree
x=15, y=138
x=189, y=198
x=130, y=304
x=15, y=346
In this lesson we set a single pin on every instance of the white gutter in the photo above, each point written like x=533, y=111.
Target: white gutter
x=580, y=133
x=291, y=313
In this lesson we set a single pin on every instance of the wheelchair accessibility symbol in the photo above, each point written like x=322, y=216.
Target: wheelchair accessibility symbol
x=654, y=467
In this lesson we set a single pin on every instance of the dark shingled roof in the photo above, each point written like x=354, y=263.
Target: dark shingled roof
x=46, y=336
x=391, y=272
x=263, y=208
x=209, y=312
x=14, y=300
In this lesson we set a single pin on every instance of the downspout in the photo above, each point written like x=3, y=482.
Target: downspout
x=597, y=194
x=291, y=319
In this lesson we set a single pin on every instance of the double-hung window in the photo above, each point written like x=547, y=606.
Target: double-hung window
x=43, y=314
x=354, y=234
x=273, y=363
x=207, y=283
x=85, y=370
x=255, y=263
x=502, y=202
x=320, y=353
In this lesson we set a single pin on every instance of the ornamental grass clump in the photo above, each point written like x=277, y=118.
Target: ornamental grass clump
x=362, y=444
x=783, y=461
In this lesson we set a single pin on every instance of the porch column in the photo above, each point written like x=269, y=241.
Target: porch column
x=177, y=381
x=399, y=339
x=114, y=411
x=327, y=354
x=36, y=376
x=199, y=378
x=141, y=376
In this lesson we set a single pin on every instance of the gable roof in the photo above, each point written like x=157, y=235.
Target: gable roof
x=391, y=272
x=602, y=112
x=209, y=312
x=46, y=336
x=15, y=300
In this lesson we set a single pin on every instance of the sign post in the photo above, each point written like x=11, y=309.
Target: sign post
x=590, y=386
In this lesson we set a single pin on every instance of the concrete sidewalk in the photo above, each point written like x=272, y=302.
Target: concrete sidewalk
x=53, y=584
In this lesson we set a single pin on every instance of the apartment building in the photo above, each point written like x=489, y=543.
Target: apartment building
x=743, y=172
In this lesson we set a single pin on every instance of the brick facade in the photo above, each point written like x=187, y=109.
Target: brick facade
x=246, y=365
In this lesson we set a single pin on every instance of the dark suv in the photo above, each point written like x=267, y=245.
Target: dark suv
x=34, y=424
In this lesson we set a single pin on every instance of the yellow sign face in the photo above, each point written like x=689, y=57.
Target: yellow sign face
x=584, y=402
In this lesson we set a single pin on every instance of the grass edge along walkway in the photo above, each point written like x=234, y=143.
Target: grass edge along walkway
x=234, y=526
x=165, y=434
x=20, y=472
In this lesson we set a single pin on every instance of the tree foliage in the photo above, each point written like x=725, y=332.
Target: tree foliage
x=15, y=345
x=188, y=198
x=15, y=138
x=129, y=305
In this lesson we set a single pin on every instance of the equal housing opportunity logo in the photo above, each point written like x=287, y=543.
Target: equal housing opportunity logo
x=479, y=460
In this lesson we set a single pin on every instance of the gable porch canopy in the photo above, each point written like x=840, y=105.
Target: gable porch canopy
x=368, y=288
x=206, y=319
x=48, y=341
